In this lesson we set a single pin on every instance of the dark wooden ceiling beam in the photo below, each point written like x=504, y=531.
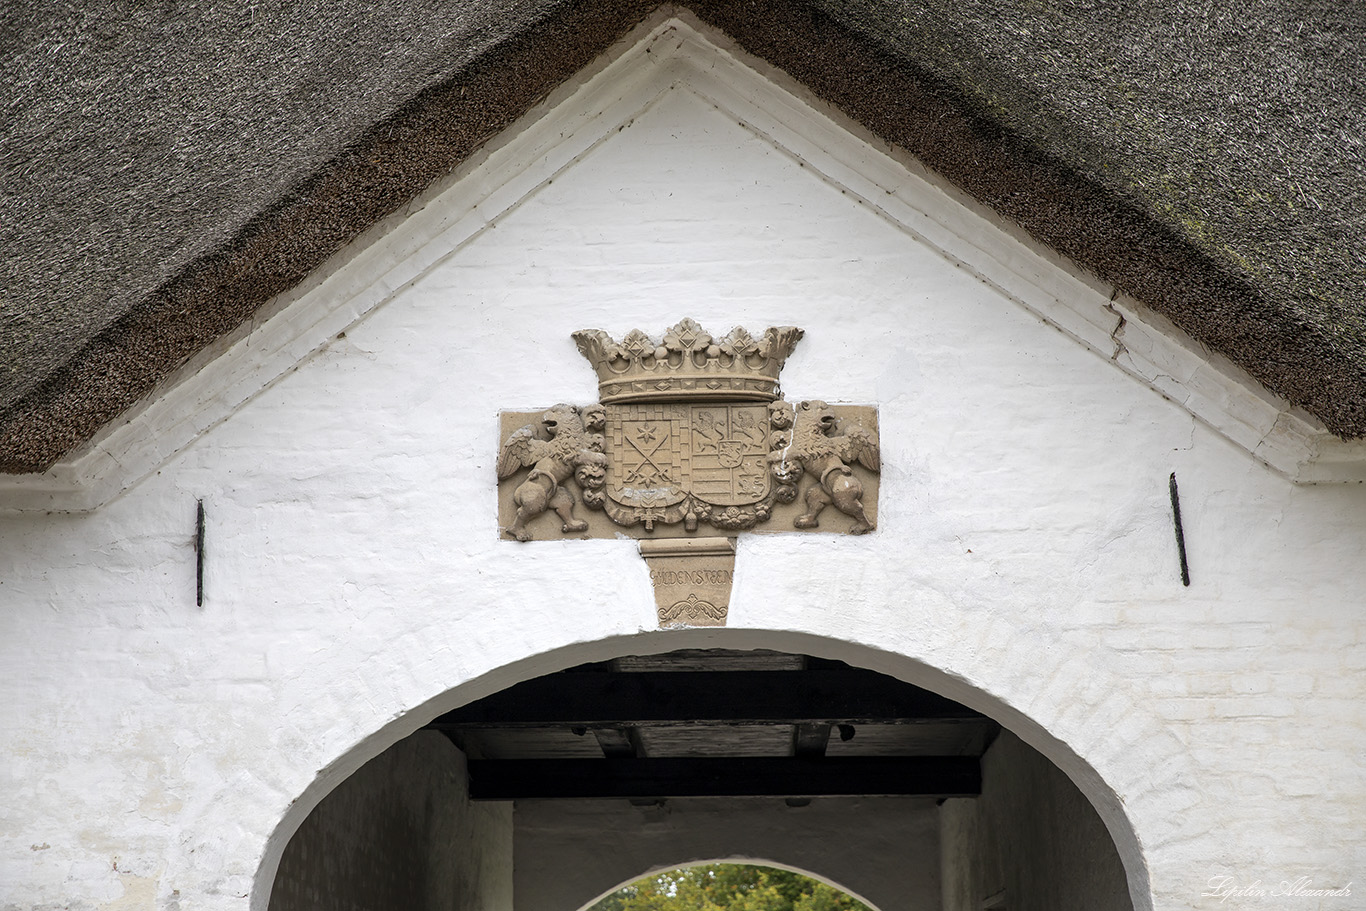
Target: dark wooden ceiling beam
x=596, y=699
x=810, y=739
x=619, y=741
x=921, y=776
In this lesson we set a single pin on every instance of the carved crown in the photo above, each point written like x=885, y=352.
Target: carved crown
x=688, y=364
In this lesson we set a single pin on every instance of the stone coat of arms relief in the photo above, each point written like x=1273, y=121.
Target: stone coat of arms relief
x=690, y=438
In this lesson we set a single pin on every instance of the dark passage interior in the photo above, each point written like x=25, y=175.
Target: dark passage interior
x=718, y=724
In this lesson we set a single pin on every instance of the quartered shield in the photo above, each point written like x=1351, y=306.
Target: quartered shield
x=647, y=455
x=659, y=454
x=729, y=454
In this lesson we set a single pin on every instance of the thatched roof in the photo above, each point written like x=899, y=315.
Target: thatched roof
x=168, y=170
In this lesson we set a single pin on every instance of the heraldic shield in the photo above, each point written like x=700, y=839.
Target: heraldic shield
x=670, y=461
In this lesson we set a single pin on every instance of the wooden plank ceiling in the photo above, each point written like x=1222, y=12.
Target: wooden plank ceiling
x=718, y=723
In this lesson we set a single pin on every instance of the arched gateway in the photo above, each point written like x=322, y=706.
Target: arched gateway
x=557, y=789
x=732, y=878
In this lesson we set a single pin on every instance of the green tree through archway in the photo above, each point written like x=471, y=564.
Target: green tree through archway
x=728, y=887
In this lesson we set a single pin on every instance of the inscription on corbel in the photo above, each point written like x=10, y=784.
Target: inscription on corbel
x=692, y=579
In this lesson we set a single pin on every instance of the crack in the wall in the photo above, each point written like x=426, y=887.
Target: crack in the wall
x=1116, y=333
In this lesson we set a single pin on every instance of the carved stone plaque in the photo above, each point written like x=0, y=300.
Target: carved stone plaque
x=690, y=438
x=691, y=433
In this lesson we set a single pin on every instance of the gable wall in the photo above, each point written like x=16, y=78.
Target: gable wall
x=356, y=585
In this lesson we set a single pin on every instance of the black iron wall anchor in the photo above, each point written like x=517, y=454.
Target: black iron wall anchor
x=199, y=555
x=1180, y=533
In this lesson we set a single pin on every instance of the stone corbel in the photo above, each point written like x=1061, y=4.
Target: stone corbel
x=692, y=579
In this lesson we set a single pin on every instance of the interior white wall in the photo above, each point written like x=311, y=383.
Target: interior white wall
x=401, y=833
x=883, y=850
x=1030, y=842
x=158, y=752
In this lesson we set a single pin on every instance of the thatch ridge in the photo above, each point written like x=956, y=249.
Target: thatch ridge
x=1305, y=338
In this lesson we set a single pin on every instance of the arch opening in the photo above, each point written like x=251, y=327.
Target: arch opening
x=731, y=885
x=547, y=825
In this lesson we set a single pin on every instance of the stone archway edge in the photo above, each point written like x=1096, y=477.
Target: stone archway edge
x=1141, y=745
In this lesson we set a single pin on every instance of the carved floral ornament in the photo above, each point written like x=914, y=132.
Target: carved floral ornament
x=691, y=430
